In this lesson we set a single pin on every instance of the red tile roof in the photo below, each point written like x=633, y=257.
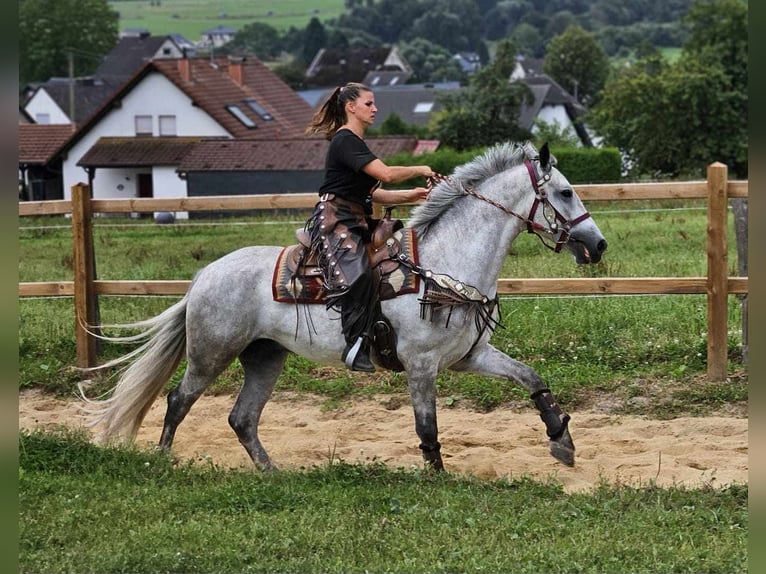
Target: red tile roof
x=305, y=154
x=212, y=86
x=39, y=143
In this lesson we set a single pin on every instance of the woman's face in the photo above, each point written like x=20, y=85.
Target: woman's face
x=363, y=108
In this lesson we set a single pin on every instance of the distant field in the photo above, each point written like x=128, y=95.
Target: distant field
x=191, y=17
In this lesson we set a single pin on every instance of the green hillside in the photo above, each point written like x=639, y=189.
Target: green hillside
x=191, y=17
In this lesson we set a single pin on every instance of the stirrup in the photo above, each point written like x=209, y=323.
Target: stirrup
x=350, y=356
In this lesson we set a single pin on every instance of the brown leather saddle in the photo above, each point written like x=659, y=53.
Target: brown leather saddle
x=298, y=278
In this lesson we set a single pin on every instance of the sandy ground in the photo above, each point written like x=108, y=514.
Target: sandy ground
x=297, y=432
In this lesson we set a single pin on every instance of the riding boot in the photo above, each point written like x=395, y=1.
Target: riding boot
x=357, y=311
x=357, y=356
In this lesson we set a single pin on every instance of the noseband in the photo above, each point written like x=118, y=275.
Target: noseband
x=556, y=223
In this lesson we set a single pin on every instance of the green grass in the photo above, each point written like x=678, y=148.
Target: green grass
x=90, y=509
x=191, y=17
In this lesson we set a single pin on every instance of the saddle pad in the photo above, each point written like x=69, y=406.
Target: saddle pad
x=304, y=285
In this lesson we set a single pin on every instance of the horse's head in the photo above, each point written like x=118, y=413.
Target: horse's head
x=557, y=213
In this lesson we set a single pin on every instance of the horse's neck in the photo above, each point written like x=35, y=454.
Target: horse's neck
x=471, y=248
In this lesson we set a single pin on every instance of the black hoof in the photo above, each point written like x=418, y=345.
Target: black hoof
x=563, y=453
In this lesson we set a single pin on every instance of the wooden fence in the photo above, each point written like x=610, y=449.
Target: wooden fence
x=717, y=285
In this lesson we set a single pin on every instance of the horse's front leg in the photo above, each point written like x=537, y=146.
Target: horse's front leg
x=488, y=361
x=422, y=385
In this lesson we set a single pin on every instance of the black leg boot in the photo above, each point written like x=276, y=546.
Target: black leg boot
x=357, y=356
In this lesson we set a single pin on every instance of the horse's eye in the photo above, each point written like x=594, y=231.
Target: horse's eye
x=567, y=193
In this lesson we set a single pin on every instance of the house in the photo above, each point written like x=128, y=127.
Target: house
x=216, y=37
x=132, y=52
x=68, y=101
x=552, y=104
x=336, y=67
x=73, y=100
x=413, y=103
x=525, y=67
x=167, y=102
x=39, y=160
x=470, y=62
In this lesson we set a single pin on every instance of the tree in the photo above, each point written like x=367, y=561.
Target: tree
x=529, y=40
x=314, y=40
x=51, y=30
x=453, y=24
x=675, y=119
x=487, y=111
x=576, y=60
x=430, y=63
x=258, y=39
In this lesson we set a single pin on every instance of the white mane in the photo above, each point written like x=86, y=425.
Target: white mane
x=493, y=161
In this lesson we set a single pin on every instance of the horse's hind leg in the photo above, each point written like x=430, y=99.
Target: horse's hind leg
x=198, y=376
x=263, y=362
x=490, y=362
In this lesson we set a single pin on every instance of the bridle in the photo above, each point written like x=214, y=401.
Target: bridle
x=556, y=222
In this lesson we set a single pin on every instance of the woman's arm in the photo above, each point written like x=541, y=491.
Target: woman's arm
x=395, y=173
x=399, y=196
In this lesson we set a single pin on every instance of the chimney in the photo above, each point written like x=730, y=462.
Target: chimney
x=184, y=68
x=235, y=69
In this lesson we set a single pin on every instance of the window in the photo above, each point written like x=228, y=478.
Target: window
x=41, y=118
x=237, y=112
x=143, y=125
x=259, y=109
x=423, y=107
x=168, y=126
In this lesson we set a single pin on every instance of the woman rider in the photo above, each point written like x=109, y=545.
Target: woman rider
x=342, y=223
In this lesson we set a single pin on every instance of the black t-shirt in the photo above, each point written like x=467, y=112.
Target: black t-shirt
x=344, y=177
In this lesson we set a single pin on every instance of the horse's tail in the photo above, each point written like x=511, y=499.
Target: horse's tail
x=150, y=366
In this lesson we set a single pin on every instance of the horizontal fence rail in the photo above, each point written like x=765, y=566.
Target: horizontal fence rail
x=717, y=285
x=594, y=192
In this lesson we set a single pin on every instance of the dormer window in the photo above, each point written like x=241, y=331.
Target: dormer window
x=237, y=112
x=259, y=109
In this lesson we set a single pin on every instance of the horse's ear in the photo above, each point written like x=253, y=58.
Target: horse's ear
x=545, y=156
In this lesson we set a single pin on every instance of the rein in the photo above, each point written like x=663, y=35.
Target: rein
x=443, y=291
x=557, y=223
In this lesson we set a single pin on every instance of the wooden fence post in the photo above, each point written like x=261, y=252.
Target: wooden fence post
x=717, y=272
x=85, y=305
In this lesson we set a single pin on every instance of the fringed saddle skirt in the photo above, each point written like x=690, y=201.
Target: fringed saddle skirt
x=296, y=283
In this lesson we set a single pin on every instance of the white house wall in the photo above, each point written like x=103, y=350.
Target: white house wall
x=166, y=183
x=115, y=183
x=42, y=103
x=554, y=114
x=155, y=95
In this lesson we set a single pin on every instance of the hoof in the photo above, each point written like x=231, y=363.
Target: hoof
x=563, y=453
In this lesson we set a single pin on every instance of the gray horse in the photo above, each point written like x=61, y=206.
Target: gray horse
x=464, y=231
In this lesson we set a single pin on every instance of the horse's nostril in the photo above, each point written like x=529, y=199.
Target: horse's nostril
x=602, y=245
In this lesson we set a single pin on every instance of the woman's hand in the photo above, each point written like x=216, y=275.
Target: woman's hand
x=426, y=171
